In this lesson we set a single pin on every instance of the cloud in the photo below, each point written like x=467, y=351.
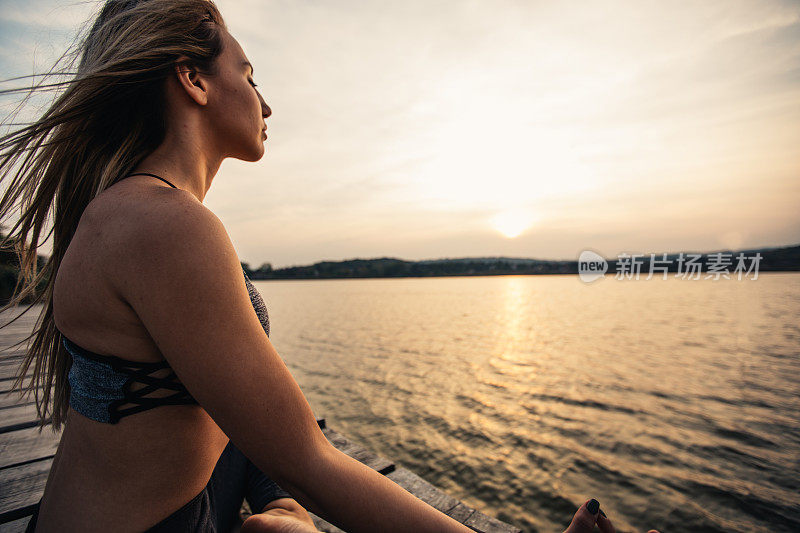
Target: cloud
x=417, y=122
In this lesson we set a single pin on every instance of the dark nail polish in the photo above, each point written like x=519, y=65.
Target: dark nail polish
x=593, y=506
x=602, y=513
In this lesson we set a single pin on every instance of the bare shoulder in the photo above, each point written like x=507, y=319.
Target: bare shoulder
x=146, y=212
x=155, y=230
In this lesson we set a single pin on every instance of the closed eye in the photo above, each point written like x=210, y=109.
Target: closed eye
x=252, y=83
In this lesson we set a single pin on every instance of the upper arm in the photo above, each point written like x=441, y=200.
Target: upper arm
x=184, y=280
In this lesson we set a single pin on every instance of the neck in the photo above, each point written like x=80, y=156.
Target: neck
x=184, y=160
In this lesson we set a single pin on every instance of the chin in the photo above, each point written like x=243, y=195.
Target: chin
x=254, y=154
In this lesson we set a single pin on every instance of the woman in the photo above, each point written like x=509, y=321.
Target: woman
x=153, y=347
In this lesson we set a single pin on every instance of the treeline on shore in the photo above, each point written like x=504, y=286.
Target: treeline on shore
x=785, y=259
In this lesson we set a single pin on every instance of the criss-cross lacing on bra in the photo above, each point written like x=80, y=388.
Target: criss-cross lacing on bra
x=106, y=388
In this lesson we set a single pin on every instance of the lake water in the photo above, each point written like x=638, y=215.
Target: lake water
x=675, y=403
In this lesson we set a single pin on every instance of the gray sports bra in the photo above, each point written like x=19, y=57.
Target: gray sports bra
x=106, y=388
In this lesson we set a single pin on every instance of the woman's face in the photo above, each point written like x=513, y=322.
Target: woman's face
x=237, y=110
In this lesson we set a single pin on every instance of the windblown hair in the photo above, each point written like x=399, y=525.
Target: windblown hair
x=105, y=118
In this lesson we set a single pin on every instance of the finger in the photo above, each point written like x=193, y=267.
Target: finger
x=604, y=523
x=585, y=518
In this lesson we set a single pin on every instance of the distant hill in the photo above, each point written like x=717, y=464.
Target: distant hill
x=778, y=259
x=783, y=259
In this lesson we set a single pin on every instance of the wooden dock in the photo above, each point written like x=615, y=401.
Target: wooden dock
x=26, y=456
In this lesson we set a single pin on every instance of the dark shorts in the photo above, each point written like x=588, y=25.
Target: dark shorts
x=216, y=508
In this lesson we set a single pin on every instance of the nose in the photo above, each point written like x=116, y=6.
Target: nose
x=265, y=110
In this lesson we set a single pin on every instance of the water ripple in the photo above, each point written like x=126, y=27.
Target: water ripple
x=673, y=403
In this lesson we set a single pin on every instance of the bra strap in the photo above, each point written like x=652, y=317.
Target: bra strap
x=153, y=175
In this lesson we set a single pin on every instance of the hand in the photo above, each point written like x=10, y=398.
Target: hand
x=283, y=515
x=590, y=514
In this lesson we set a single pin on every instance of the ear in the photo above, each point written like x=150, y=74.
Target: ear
x=191, y=80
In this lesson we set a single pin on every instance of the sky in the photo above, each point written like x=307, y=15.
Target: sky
x=432, y=129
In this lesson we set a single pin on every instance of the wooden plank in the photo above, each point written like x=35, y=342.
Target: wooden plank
x=335, y=438
x=423, y=490
x=12, y=355
x=437, y=498
x=18, y=417
x=11, y=398
x=27, y=445
x=481, y=522
x=23, y=486
x=8, y=370
x=10, y=367
x=372, y=460
x=10, y=334
x=13, y=361
x=7, y=382
x=460, y=512
x=17, y=526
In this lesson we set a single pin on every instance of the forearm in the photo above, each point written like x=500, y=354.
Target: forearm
x=356, y=498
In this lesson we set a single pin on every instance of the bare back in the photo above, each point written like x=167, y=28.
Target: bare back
x=138, y=471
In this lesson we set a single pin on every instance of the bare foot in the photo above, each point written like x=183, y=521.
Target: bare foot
x=590, y=514
x=586, y=517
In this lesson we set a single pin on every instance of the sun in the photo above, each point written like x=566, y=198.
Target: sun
x=512, y=223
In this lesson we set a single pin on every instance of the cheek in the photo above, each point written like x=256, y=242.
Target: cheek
x=237, y=114
x=240, y=109
x=248, y=105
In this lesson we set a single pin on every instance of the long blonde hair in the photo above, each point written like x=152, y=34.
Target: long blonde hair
x=105, y=119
